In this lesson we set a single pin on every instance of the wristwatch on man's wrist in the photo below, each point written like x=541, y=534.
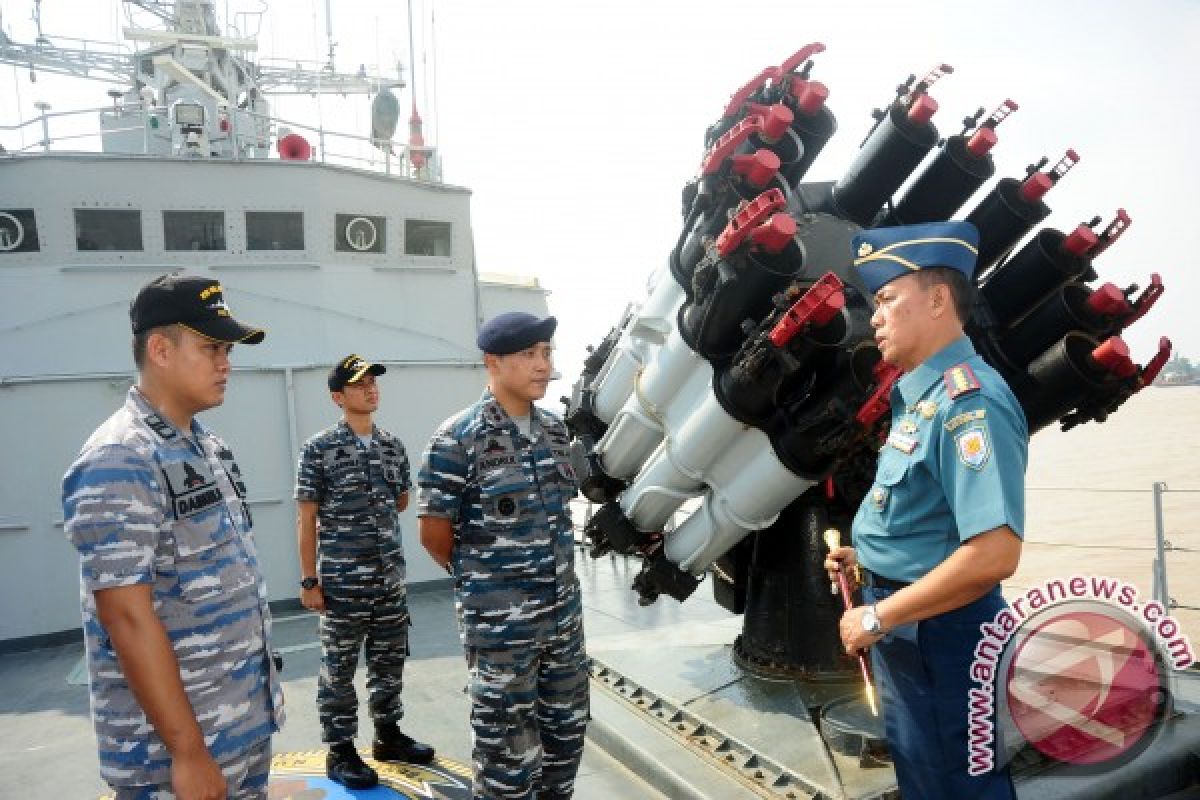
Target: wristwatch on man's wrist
x=870, y=621
x=311, y=582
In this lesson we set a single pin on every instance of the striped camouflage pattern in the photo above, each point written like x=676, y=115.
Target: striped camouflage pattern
x=529, y=711
x=516, y=592
x=144, y=504
x=362, y=570
x=383, y=628
x=245, y=778
x=358, y=534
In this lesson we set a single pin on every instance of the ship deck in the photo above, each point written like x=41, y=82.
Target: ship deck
x=1090, y=511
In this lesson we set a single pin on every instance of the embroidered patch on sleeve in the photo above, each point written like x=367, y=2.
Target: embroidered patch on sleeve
x=973, y=447
x=962, y=419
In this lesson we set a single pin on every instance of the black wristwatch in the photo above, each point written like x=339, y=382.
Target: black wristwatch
x=309, y=583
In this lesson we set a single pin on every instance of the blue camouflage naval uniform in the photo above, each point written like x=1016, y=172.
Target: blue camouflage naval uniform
x=361, y=568
x=146, y=504
x=953, y=467
x=517, y=595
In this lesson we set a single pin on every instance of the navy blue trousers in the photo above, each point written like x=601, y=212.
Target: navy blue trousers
x=922, y=671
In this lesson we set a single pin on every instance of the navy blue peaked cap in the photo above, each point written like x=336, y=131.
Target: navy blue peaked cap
x=883, y=254
x=513, y=331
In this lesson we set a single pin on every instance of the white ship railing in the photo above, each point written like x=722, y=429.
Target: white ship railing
x=329, y=147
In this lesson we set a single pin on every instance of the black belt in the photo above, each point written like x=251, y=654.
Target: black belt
x=873, y=580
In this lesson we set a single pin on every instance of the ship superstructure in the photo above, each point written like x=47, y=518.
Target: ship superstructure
x=335, y=242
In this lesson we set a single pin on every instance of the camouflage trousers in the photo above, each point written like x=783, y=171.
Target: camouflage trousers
x=529, y=711
x=245, y=778
x=379, y=622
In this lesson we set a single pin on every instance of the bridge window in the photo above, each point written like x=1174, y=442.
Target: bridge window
x=358, y=233
x=194, y=230
x=424, y=237
x=108, y=229
x=18, y=231
x=274, y=230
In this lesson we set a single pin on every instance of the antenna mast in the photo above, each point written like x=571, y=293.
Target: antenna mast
x=412, y=56
x=329, y=33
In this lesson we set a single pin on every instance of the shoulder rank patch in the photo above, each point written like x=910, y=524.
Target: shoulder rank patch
x=958, y=421
x=960, y=380
x=973, y=447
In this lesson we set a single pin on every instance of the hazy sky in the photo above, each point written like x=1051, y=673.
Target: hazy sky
x=576, y=123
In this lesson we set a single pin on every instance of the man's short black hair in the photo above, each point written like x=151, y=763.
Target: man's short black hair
x=140, y=340
x=962, y=290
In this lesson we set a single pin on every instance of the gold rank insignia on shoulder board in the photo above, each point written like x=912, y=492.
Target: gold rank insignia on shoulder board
x=960, y=380
x=962, y=419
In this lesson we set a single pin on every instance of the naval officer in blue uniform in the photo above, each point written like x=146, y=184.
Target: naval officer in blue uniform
x=941, y=526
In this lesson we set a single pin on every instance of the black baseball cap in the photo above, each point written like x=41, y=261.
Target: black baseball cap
x=350, y=370
x=192, y=301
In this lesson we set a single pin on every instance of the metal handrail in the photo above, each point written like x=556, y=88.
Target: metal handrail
x=377, y=160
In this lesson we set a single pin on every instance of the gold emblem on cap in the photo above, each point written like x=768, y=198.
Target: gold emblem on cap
x=865, y=249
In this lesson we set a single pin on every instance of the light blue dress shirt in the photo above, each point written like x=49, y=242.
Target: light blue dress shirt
x=953, y=466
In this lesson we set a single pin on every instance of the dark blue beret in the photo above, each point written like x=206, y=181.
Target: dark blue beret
x=883, y=254
x=513, y=331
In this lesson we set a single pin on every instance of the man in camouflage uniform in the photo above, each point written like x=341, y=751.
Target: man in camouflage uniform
x=351, y=484
x=184, y=693
x=495, y=485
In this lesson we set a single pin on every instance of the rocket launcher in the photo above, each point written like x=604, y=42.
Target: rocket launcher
x=780, y=348
x=733, y=171
x=747, y=384
x=1013, y=208
x=901, y=138
x=751, y=260
x=1099, y=405
x=1050, y=260
x=814, y=123
x=962, y=165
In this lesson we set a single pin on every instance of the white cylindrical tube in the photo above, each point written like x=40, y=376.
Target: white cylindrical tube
x=662, y=305
x=755, y=490
x=662, y=378
x=703, y=436
x=751, y=487
x=614, y=384
x=650, y=508
x=638, y=346
x=626, y=444
x=639, y=426
x=699, y=436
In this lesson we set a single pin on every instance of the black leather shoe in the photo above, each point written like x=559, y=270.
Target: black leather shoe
x=392, y=745
x=344, y=765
